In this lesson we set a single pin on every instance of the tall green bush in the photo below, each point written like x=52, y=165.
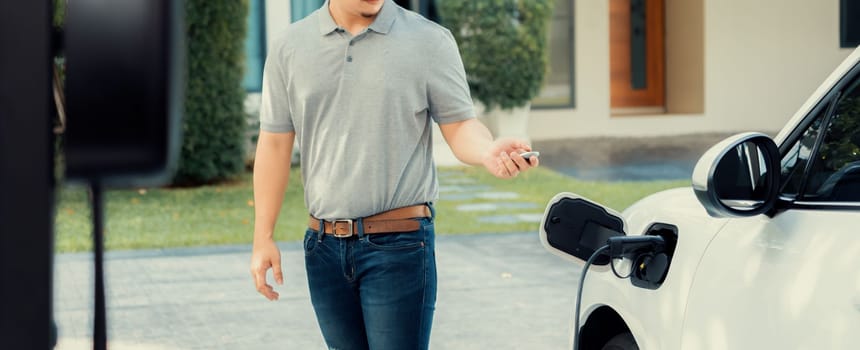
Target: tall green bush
x=503, y=46
x=214, y=124
x=59, y=13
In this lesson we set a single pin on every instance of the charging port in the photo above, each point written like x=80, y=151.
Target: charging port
x=650, y=268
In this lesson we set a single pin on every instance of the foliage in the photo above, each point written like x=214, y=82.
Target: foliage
x=59, y=13
x=214, y=124
x=842, y=143
x=503, y=44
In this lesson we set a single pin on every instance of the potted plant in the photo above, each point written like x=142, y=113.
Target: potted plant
x=503, y=44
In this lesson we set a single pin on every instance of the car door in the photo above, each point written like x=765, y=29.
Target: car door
x=791, y=280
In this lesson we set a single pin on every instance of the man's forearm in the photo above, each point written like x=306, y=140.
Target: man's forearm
x=469, y=140
x=271, y=176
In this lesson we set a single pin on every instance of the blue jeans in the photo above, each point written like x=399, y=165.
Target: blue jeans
x=373, y=291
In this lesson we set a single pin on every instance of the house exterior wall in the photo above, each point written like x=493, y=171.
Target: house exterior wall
x=761, y=59
x=764, y=58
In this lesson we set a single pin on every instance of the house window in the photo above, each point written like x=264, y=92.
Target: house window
x=849, y=24
x=557, y=90
x=255, y=46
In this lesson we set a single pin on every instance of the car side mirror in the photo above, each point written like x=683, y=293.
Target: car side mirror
x=574, y=227
x=738, y=176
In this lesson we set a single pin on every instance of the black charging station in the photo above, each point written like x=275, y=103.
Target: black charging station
x=124, y=80
x=124, y=90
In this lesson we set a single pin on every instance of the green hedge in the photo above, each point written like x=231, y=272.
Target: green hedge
x=214, y=124
x=59, y=13
x=503, y=45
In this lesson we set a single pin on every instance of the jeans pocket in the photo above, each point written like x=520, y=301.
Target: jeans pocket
x=310, y=242
x=397, y=240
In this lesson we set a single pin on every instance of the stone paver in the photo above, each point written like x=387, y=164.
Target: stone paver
x=501, y=291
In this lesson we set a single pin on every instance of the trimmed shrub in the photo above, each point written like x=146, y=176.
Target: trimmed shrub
x=214, y=124
x=503, y=45
x=59, y=13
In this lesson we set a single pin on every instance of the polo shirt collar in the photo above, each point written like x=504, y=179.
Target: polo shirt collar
x=382, y=23
x=385, y=18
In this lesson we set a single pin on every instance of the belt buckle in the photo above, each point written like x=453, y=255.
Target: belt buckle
x=349, y=233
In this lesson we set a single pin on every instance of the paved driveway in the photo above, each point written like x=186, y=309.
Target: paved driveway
x=496, y=291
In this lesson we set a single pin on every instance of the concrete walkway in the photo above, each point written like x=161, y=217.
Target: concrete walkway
x=496, y=291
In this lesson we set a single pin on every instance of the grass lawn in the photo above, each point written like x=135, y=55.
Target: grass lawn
x=224, y=213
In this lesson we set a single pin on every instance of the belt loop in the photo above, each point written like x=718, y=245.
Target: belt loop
x=432, y=211
x=321, y=231
x=359, y=223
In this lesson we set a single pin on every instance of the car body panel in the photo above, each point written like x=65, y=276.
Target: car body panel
x=786, y=284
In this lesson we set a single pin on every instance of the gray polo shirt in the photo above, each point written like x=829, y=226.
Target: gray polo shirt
x=362, y=106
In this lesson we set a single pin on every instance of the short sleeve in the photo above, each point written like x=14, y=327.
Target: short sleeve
x=275, y=113
x=448, y=92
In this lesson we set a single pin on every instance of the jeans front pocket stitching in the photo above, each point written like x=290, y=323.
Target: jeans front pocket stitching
x=310, y=243
x=411, y=245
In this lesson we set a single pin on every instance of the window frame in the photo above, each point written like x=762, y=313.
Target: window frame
x=261, y=20
x=828, y=101
x=571, y=62
x=820, y=111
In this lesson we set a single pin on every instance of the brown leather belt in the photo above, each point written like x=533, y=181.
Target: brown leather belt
x=394, y=220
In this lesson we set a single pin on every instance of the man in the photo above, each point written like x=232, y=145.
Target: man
x=357, y=84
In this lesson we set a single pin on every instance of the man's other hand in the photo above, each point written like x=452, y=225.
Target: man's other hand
x=265, y=256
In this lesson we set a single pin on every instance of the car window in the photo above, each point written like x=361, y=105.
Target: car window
x=835, y=172
x=794, y=162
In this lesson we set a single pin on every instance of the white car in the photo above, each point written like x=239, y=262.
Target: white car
x=763, y=252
